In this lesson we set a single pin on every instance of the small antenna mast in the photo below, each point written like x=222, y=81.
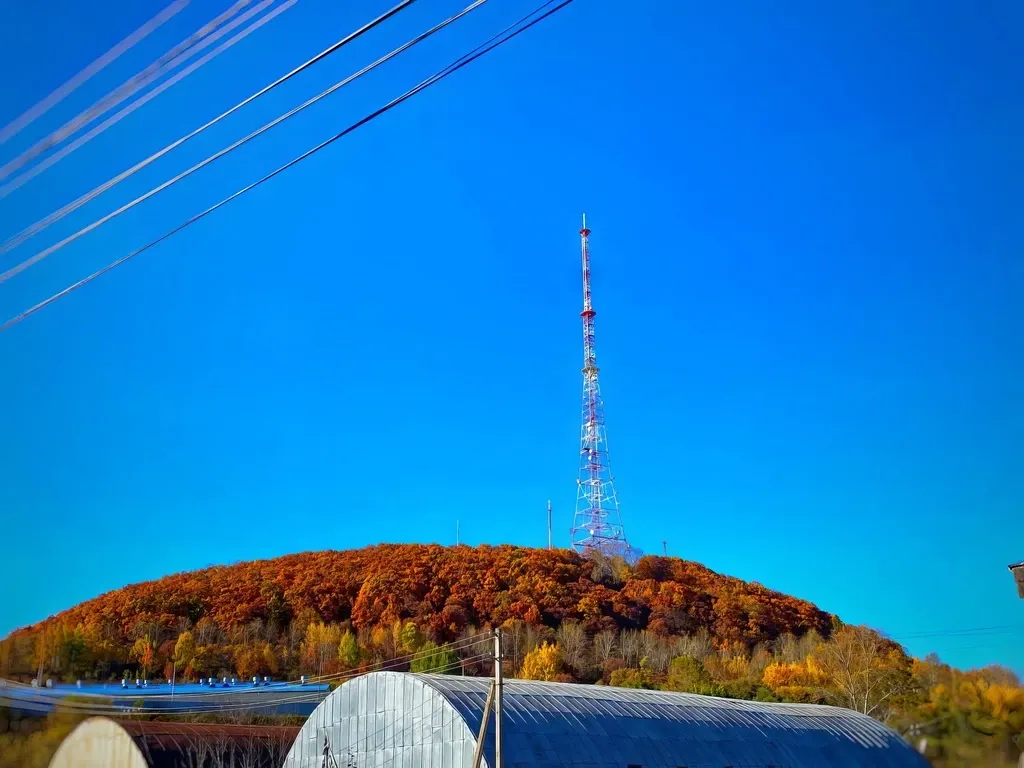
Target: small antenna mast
x=549, y=523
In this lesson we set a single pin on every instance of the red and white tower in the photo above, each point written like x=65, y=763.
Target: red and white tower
x=597, y=524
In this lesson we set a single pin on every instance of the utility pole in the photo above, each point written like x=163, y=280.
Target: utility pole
x=456, y=533
x=549, y=523
x=664, y=547
x=481, y=736
x=498, y=698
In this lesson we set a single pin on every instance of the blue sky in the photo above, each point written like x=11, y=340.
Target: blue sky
x=807, y=269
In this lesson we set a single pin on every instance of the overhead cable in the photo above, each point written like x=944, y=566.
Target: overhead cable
x=177, y=55
x=27, y=117
x=35, y=170
x=973, y=632
x=500, y=39
x=7, y=275
x=75, y=204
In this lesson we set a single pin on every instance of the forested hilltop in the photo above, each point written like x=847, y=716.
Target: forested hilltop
x=253, y=617
x=662, y=623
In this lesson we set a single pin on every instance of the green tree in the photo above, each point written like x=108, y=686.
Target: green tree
x=410, y=639
x=630, y=677
x=688, y=675
x=348, y=651
x=71, y=648
x=438, y=659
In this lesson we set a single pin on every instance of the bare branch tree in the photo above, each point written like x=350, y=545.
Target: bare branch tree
x=604, y=646
x=698, y=646
x=572, y=641
x=864, y=670
x=248, y=752
x=629, y=642
x=656, y=650
x=280, y=746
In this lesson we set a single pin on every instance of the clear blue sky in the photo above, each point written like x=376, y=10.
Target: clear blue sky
x=808, y=274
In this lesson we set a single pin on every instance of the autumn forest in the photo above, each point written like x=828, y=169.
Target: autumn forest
x=661, y=623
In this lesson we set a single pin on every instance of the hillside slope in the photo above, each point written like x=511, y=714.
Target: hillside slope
x=443, y=590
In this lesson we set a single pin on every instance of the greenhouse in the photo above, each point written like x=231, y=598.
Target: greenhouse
x=100, y=742
x=402, y=720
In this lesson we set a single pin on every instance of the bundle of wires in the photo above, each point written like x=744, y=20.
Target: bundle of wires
x=505, y=35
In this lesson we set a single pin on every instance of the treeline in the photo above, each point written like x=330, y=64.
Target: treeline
x=973, y=718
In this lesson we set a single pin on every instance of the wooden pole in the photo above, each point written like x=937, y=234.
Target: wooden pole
x=499, y=703
x=481, y=737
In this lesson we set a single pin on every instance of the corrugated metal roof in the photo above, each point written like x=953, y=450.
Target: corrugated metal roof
x=401, y=720
x=561, y=723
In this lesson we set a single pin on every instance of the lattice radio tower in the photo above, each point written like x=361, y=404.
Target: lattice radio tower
x=597, y=524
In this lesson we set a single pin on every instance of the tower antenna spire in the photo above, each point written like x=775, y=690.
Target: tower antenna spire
x=597, y=525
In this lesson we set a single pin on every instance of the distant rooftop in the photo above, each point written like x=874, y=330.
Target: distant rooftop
x=275, y=698
x=1018, y=574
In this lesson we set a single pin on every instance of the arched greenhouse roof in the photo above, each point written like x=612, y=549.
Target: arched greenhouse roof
x=403, y=720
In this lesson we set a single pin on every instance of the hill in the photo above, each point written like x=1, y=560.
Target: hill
x=445, y=591
x=662, y=623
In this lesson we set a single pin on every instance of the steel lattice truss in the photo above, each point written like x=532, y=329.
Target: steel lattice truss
x=597, y=525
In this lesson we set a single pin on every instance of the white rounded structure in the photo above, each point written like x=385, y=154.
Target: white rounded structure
x=98, y=743
x=401, y=720
x=103, y=743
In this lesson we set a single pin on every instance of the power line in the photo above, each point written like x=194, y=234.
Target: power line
x=30, y=174
x=5, y=276
x=496, y=41
x=179, y=54
x=27, y=117
x=976, y=631
x=75, y=204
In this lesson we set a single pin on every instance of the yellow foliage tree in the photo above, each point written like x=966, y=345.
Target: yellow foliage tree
x=184, y=650
x=142, y=652
x=270, y=663
x=542, y=663
x=320, y=647
x=724, y=669
x=804, y=674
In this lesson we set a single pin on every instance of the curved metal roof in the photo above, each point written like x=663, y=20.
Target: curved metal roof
x=430, y=721
x=98, y=743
